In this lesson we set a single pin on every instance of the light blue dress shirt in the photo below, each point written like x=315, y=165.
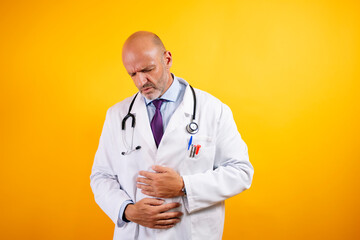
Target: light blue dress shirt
x=173, y=96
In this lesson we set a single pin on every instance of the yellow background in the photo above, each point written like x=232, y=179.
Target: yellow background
x=289, y=70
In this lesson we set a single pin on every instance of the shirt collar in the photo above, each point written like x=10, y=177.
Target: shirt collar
x=171, y=94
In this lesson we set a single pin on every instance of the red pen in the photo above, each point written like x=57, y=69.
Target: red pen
x=197, y=149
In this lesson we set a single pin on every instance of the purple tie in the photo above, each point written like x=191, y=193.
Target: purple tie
x=157, y=122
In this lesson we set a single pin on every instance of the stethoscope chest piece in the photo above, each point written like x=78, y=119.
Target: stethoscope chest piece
x=192, y=128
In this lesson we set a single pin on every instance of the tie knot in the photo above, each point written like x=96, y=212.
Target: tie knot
x=157, y=103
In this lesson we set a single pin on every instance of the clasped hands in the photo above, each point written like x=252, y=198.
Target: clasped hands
x=151, y=212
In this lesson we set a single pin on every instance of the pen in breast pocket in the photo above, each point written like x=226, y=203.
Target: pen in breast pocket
x=198, y=149
x=193, y=150
x=190, y=141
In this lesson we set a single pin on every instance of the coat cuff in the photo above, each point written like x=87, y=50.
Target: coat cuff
x=121, y=218
x=188, y=198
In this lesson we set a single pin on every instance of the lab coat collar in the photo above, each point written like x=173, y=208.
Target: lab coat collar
x=188, y=101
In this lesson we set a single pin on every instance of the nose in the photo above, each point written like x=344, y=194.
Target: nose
x=140, y=79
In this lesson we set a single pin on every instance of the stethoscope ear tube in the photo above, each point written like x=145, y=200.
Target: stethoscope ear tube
x=194, y=96
x=123, y=123
x=129, y=115
x=193, y=127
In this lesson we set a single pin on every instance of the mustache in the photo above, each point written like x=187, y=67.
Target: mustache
x=146, y=85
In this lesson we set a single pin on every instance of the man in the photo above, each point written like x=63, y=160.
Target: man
x=152, y=177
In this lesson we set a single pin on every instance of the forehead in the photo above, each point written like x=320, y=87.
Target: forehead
x=135, y=60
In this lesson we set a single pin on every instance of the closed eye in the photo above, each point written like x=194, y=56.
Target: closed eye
x=147, y=70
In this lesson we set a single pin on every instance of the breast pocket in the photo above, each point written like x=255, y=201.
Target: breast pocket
x=199, y=156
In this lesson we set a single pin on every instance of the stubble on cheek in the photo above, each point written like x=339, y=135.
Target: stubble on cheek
x=151, y=93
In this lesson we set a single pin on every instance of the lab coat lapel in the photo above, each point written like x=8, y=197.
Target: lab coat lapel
x=182, y=114
x=143, y=124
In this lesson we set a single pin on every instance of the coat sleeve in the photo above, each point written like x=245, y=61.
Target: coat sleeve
x=104, y=183
x=232, y=171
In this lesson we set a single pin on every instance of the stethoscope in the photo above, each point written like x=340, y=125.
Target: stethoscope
x=192, y=127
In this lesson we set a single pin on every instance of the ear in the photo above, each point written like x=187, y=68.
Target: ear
x=168, y=59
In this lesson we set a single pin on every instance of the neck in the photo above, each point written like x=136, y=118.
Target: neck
x=170, y=81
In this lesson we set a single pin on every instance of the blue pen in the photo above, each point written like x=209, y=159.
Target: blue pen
x=190, y=141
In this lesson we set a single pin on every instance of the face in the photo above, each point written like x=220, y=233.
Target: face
x=149, y=69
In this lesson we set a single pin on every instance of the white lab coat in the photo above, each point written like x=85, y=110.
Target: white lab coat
x=220, y=170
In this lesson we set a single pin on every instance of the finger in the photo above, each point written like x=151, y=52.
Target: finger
x=144, y=180
x=168, y=221
x=168, y=206
x=153, y=201
x=169, y=215
x=144, y=187
x=160, y=169
x=148, y=175
x=149, y=193
x=164, y=226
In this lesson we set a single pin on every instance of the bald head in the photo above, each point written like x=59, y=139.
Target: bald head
x=148, y=63
x=143, y=40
